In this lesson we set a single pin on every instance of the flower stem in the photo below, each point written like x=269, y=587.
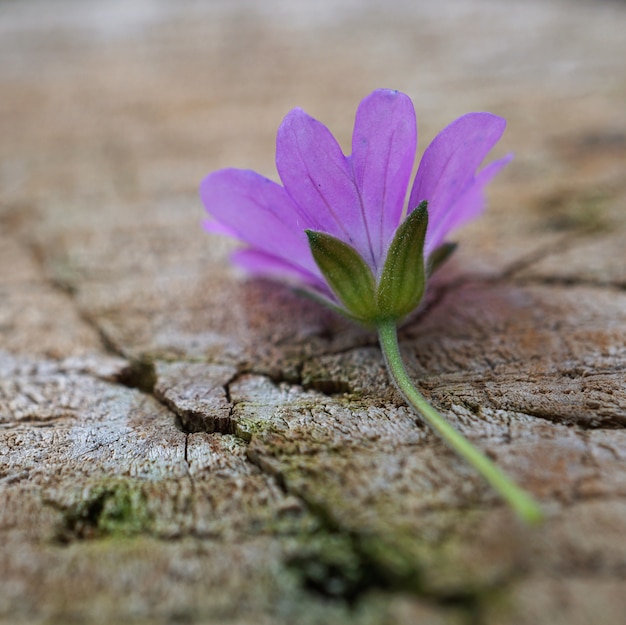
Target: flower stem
x=523, y=504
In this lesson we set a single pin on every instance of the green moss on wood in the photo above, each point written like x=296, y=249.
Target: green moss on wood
x=110, y=508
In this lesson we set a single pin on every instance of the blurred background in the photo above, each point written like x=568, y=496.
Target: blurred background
x=116, y=98
x=111, y=112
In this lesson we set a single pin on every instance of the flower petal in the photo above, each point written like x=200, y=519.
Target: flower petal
x=383, y=151
x=260, y=213
x=468, y=206
x=319, y=178
x=446, y=172
x=215, y=227
x=259, y=263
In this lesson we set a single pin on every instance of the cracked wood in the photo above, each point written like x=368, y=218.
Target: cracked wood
x=180, y=444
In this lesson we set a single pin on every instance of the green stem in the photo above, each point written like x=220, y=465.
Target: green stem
x=523, y=504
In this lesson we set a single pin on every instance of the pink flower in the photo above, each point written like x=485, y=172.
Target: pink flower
x=357, y=199
x=337, y=227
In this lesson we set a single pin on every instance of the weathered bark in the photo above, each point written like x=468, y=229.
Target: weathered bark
x=180, y=444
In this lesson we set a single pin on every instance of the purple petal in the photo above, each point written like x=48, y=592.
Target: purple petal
x=263, y=264
x=383, y=151
x=467, y=207
x=319, y=178
x=215, y=227
x=260, y=213
x=357, y=199
x=446, y=172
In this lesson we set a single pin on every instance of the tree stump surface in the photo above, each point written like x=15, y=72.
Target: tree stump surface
x=180, y=444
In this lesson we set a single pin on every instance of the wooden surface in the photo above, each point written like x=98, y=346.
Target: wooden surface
x=181, y=445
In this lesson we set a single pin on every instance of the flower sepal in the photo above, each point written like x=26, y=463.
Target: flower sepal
x=347, y=274
x=439, y=256
x=403, y=279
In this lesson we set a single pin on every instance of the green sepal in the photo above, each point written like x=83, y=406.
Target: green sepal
x=347, y=274
x=439, y=256
x=403, y=279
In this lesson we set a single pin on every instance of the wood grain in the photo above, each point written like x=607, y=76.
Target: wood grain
x=181, y=444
